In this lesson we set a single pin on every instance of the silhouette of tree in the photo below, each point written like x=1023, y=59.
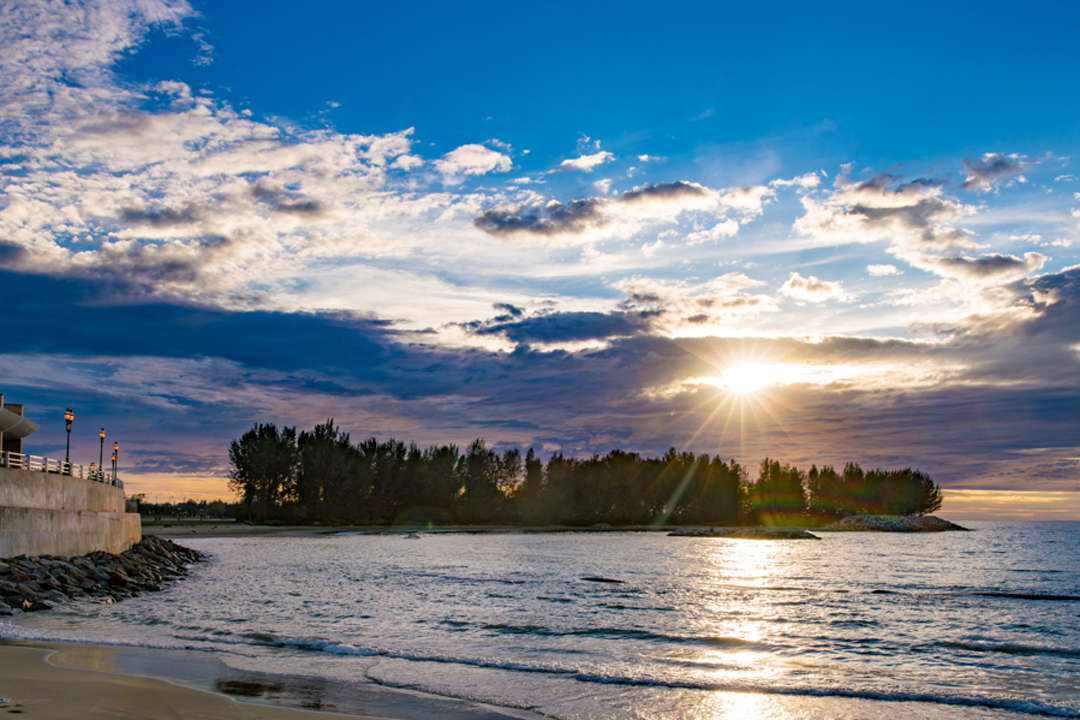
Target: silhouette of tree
x=264, y=469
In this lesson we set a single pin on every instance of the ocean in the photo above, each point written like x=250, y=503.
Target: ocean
x=982, y=624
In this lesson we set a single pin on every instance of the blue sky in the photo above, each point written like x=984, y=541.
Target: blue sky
x=822, y=232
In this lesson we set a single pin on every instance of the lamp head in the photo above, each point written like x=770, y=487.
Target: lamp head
x=69, y=415
x=115, y=447
x=102, y=434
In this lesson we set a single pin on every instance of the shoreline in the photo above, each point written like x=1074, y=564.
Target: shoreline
x=61, y=680
x=178, y=529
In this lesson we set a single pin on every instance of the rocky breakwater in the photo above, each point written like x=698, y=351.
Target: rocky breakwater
x=895, y=523
x=43, y=582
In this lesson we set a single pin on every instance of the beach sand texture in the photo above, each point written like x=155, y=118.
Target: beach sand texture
x=32, y=686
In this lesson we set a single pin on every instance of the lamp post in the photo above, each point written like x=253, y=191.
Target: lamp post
x=68, y=417
x=101, y=453
x=115, y=455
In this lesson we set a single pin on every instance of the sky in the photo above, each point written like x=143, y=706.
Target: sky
x=818, y=232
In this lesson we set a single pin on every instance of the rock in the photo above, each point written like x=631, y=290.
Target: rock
x=43, y=582
x=894, y=523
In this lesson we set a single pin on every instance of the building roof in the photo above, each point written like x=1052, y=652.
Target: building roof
x=14, y=425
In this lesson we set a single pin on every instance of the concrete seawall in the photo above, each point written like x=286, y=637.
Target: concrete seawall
x=50, y=514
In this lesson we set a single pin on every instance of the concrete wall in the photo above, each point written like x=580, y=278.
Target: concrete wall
x=48, y=514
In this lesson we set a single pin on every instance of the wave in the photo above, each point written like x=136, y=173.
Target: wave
x=895, y=694
x=1011, y=648
x=623, y=634
x=1029, y=596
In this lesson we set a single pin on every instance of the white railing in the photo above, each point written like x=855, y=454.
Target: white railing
x=34, y=463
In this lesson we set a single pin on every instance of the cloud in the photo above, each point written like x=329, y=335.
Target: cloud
x=508, y=309
x=586, y=163
x=562, y=327
x=986, y=171
x=472, y=159
x=986, y=267
x=749, y=201
x=882, y=270
x=807, y=181
x=678, y=304
x=910, y=213
x=554, y=218
x=811, y=289
x=724, y=229
x=646, y=202
x=665, y=192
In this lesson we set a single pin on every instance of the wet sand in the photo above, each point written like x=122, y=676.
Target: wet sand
x=61, y=681
x=32, y=686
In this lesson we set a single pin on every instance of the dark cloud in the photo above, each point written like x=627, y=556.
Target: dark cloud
x=11, y=254
x=554, y=218
x=162, y=217
x=570, y=326
x=891, y=183
x=664, y=191
x=577, y=216
x=281, y=201
x=989, y=168
x=75, y=317
x=508, y=309
x=988, y=265
x=924, y=218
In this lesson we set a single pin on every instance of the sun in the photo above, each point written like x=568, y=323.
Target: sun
x=748, y=378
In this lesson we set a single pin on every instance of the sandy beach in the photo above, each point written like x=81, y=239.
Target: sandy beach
x=35, y=684
x=58, y=681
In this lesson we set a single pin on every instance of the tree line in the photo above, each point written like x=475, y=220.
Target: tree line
x=321, y=476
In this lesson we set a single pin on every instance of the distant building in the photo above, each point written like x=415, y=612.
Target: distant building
x=13, y=427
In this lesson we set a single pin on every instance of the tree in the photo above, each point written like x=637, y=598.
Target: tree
x=328, y=472
x=778, y=497
x=907, y=492
x=263, y=469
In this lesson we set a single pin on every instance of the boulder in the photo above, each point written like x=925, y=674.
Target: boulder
x=46, y=581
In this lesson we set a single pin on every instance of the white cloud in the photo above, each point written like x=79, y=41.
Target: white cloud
x=807, y=181
x=472, y=159
x=811, y=289
x=748, y=201
x=650, y=249
x=724, y=229
x=586, y=163
x=882, y=270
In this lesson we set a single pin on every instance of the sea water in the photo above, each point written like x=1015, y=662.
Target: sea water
x=636, y=624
